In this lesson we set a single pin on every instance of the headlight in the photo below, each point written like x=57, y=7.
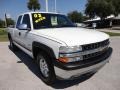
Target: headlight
x=70, y=54
x=72, y=49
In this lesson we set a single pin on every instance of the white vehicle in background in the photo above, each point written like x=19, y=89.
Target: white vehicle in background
x=82, y=25
x=61, y=50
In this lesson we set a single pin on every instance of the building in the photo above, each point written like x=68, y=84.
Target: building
x=110, y=21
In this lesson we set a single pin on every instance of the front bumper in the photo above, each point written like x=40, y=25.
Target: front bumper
x=70, y=71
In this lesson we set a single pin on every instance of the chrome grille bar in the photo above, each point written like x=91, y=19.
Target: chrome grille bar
x=95, y=45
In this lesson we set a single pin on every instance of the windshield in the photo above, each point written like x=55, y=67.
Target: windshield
x=44, y=20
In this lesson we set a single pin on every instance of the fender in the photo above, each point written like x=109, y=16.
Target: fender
x=43, y=47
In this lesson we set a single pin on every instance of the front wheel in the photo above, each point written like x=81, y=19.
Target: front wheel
x=46, y=68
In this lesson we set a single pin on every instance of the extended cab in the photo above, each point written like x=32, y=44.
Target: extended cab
x=61, y=49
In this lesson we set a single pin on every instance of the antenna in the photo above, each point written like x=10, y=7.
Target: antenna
x=5, y=20
x=46, y=5
x=55, y=6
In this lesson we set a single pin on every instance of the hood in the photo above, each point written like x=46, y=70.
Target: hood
x=73, y=36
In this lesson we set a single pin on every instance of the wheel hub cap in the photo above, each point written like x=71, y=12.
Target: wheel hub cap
x=43, y=67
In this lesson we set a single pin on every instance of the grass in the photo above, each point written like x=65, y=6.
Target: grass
x=112, y=33
x=3, y=35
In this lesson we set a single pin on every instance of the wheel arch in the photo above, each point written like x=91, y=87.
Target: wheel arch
x=37, y=47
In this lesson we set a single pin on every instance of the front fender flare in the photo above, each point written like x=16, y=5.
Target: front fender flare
x=44, y=48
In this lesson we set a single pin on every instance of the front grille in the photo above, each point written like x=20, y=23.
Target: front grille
x=95, y=45
x=93, y=54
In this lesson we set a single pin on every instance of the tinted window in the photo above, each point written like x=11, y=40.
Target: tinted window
x=44, y=20
x=26, y=20
x=18, y=21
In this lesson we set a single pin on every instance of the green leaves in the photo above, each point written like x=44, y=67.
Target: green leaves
x=102, y=8
x=2, y=23
x=10, y=21
x=75, y=16
x=116, y=4
x=33, y=5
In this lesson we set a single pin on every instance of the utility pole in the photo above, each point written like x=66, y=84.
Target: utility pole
x=46, y=5
x=55, y=6
x=5, y=20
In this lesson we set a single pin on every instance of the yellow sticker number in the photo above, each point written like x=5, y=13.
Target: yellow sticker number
x=35, y=15
x=36, y=21
x=39, y=18
x=44, y=18
x=39, y=15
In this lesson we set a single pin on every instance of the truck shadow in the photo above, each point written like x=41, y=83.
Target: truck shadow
x=59, y=84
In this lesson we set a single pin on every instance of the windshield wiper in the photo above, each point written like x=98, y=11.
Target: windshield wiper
x=65, y=26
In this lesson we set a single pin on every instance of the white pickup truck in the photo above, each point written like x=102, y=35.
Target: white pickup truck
x=61, y=49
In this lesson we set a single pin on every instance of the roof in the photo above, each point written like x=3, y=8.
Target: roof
x=118, y=17
x=39, y=12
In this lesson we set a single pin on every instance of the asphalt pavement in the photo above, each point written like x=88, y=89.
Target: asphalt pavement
x=19, y=72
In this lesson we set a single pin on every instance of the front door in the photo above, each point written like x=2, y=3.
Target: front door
x=25, y=34
x=17, y=32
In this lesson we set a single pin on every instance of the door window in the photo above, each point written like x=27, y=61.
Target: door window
x=18, y=21
x=26, y=20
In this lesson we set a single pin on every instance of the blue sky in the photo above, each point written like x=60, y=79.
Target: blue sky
x=15, y=7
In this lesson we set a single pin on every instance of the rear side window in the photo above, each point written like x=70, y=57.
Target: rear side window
x=18, y=21
x=26, y=20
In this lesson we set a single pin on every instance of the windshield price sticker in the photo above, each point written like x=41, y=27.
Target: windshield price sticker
x=39, y=18
x=54, y=21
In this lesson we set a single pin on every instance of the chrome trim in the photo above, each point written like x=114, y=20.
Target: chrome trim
x=95, y=45
x=84, y=53
x=65, y=74
x=93, y=51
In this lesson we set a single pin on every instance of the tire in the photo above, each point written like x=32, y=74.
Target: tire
x=46, y=68
x=12, y=45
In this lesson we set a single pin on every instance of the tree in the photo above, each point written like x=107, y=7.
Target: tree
x=85, y=18
x=101, y=8
x=10, y=21
x=75, y=16
x=33, y=5
x=2, y=23
x=116, y=4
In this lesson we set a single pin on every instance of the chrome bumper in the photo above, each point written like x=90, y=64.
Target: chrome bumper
x=70, y=74
x=64, y=74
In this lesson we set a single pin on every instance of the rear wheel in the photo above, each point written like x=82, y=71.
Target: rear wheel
x=46, y=68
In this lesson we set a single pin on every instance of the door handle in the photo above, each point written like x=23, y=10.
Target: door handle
x=19, y=33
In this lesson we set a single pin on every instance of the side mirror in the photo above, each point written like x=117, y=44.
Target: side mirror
x=23, y=27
